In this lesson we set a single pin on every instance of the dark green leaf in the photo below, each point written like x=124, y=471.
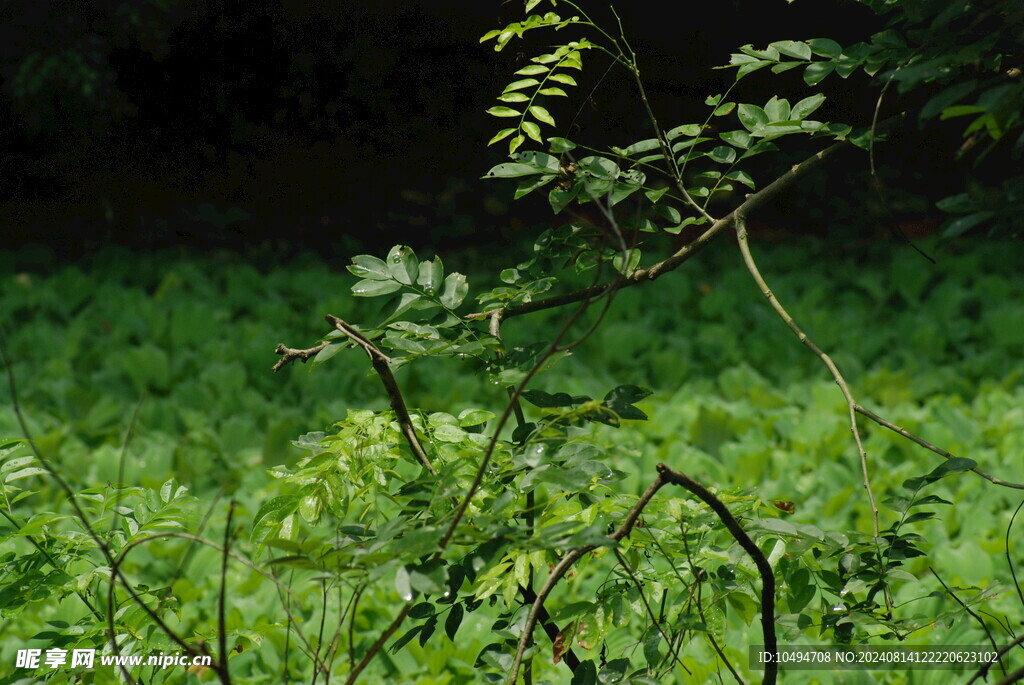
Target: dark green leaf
x=453, y=621
x=539, y=398
x=825, y=47
x=559, y=145
x=807, y=106
x=816, y=72
x=402, y=641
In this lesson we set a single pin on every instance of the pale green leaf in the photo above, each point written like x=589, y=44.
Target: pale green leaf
x=542, y=115
x=503, y=112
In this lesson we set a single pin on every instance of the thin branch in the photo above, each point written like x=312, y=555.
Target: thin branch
x=650, y=612
x=566, y=563
x=928, y=446
x=222, y=633
x=971, y=612
x=753, y=202
x=379, y=644
x=699, y=576
x=983, y=671
x=290, y=354
x=1009, y=555
x=748, y=259
x=381, y=365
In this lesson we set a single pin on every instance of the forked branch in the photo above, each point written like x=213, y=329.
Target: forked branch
x=666, y=476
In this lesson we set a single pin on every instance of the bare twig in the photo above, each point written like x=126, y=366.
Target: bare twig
x=983, y=671
x=928, y=446
x=748, y=259
x=381, y=365
x=222, y=632
x=971, y=612
x=379, y=644
x=290, y=354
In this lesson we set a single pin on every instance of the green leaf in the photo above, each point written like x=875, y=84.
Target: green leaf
x=533, y=69
x=529, y=185
x=474, y=417
x=600, y=167
x=402, y=584
x=688, y=130
x=559, y=145
x=740, y=139
x=825, y=47
x=520, y=84
x=368, y=266
x=642, y=146
x=403, y=265
x=405, y=639
x=671, y=214
x=655, y=194
x=455, y=289
x=368, y=288
x=542, y=160
x=792, y=48
x=723, y=155
x=724, y=109
x=563, y=78
x=539, y=398
x=553, y=91
x=532, y=130
x=777, y=109
x=753, y=118
x=513, y=97
x=741, y=176
x=453, y=621
x=503, y=112
x=631, y=262
x=560, y=197
x=513, y=170
x=816, y=72
x=430, y=276
x=500, y=135
x=542, y=115
x=514, y=144
x=807, y=106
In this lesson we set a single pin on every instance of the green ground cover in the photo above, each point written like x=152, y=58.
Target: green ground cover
x=737, y=402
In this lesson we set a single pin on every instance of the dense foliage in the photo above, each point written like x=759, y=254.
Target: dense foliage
x=573, y=473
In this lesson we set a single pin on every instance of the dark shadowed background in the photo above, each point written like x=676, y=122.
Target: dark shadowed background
x=226, y=124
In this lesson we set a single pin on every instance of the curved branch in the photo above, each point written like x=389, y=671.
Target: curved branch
x=748, y=545
x=928, y=446
x=748, y=260
x=380, y=365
